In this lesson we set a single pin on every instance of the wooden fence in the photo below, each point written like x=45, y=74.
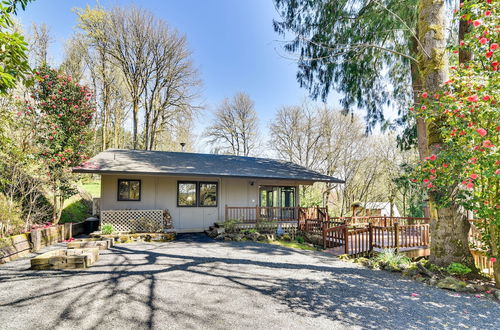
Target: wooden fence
x=362, y=240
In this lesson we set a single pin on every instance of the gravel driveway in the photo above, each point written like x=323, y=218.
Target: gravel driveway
x=196, y=282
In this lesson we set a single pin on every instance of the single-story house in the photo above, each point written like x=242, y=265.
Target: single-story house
x=375, y=209
x=196, y=189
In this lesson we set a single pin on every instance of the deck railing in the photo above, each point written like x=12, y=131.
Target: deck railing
x=252, y=214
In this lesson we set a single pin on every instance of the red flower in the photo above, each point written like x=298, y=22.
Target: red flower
x=481, y=131
x=476, y=23
x=426, y=180
x=483, y=41
x=445, y=165
x=429, y=185
x=433, y=157
x=470, y=185
x=433, y=171
x=497, y=171
x=487, y=13
x=474, y=176
x=472, y=98
x=489, y=54
x=486, y=98
x=425, y=95
x=498, y=128
x=494, y=46
x=493, y=259
x=488, y=144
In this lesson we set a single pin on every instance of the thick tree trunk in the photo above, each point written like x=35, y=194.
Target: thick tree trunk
x=421, y=125
x=449, y=225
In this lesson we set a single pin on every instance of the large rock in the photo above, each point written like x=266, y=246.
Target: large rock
x=451, y=283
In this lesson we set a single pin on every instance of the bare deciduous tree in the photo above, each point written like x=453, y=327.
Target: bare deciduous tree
x=129, y=36
x=171, y=85
x=39, y=42
x=296, y=135
x=235, y=128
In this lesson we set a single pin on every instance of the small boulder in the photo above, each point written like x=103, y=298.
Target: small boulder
x=480, y=287
x=470, y=288
x=433, y=280
x=261, y=237
x=451, y=283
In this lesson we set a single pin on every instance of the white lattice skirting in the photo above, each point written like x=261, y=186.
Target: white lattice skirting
x=134, y=220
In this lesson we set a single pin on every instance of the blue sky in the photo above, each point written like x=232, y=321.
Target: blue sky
x=233, y=42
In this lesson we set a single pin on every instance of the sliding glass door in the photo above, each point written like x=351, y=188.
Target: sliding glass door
x=278, y=202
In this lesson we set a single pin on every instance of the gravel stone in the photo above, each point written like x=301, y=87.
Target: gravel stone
x=197, y=282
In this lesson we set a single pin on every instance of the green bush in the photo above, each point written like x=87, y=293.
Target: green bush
x=265, y=226
x=230, y=225
x=11, y=222
x=300, y=239
x=389, y=257
x=249, y=231
x=107, y=229
x=458, y=269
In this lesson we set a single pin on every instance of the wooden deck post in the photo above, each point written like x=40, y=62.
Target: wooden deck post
x=370, y=236
x=226, y=216
x=324, y=234
x=346, y=239
x=396, y=235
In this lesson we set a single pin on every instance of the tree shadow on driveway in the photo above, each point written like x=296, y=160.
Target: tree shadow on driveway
x=218, y=285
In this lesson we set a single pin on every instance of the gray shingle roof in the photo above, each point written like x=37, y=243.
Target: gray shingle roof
x=193, y=164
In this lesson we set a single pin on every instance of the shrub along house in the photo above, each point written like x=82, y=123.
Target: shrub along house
x=138, y=186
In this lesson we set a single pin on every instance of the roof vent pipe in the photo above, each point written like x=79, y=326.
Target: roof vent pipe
x=183, y=144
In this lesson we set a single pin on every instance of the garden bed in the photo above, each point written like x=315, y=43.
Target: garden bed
x=66, y=259
x=136, y=237
x=100, y=243
x=456, y=277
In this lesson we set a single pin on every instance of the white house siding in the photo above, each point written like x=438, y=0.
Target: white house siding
x=160, y=192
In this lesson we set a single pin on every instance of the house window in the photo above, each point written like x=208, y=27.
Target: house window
x=186, y=194
x=129, y=190
x=208, y=194
x=202, y=194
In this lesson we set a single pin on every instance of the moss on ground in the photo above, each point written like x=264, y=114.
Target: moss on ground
x=293, y=245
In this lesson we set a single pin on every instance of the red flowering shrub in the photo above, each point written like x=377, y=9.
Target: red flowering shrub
x=466, y=167
x=62, y=112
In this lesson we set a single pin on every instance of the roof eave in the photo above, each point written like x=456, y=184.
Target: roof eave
x=96, y=171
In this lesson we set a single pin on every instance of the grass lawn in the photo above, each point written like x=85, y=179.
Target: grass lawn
x=75, y=209
x=93, y=188
x=293, y=245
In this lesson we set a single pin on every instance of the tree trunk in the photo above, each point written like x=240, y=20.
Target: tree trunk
x=449, y=226
x=135, y=112
x=421, y=125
